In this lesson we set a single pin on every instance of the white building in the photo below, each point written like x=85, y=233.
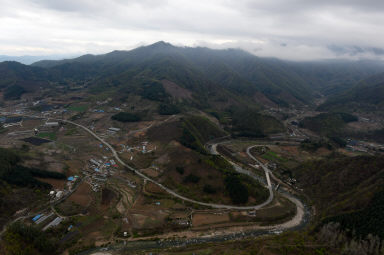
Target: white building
x=59, y=194
x=52, y=124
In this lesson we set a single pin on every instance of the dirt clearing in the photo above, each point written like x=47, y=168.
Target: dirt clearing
x=82, y=195
x=200, y=219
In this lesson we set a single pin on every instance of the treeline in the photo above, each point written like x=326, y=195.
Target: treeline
x=13, y=173
x=349, y=198
x=191, y=178
x=152, y=90
x=329, y=143
x=333, y=235
x=168, y=109
x=314, y=145
x=198, y=130
x=374, y=135
x=234, y=185
x=369, y=220
x=237, y=191
x=24, y=176
x=22, y=239
x=13, y=92
x=367, y=96
x=250, y=123
x=144, y=86
x=191, y=140
x=328, y=124
x=126, y=117
x=340, y=183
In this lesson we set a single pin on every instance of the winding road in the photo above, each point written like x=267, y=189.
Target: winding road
x=239, y=169
x=173, y=193
x=216, y=206
x=296, y=221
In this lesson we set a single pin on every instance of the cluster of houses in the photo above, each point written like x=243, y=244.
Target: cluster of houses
x=145, y=147
x=98, y=170
x=361, y=146
x=11, y=121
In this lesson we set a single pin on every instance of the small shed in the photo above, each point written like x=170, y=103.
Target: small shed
x=52, y=124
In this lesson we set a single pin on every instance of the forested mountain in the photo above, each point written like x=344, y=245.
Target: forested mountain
x=209, y=77
x=197, y=69
x=335, y=76
x=348, y=190
x=14, y=73
x=367, y=95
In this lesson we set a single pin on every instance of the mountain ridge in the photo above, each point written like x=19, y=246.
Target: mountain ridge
x=226, y=75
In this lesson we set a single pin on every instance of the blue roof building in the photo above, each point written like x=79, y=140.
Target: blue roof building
x=36, y=217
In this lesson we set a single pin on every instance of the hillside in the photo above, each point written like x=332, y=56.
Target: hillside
x=367, y=95
x=238, y=72
x=217, y=74
x=17, y=79
x=331, y=77
x=346, y=189
x=192, y=171
x=328, y=124
x=210, y=78
x=19, y=183
x=248, y=122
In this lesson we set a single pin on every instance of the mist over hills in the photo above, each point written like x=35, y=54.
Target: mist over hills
x=224, y=75
x=27, y=60
x=368, y=95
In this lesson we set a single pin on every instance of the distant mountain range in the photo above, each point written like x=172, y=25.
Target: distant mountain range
x=27, y=60
x=202, y=76
x=367, y=95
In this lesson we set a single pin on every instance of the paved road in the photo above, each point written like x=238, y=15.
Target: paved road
x=295, y=221
x=212, y=205
x=214, y=151
x=264, y=167
x=239, y=169
x=299, y=205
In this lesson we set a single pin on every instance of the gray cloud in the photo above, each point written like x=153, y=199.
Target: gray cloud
x=91, y=5
x=290, y=29
x=356, y=50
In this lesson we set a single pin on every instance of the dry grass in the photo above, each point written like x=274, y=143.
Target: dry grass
x=200, y=219
x=82, y=195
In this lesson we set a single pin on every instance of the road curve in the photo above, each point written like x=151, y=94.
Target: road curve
x=263, y=166
x=116, y=156
x=299, y=205
x=239, y=169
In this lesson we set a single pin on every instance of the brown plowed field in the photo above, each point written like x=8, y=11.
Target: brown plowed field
x=200, y=219
x=82, y=195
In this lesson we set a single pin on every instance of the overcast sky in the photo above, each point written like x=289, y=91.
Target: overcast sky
x=287, y=29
